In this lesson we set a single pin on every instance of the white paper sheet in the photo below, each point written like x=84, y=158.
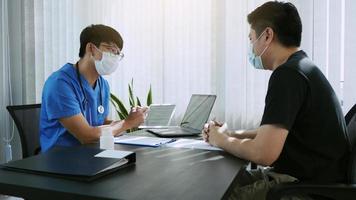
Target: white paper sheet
x=193, y=144
x=142, y=140
x=113, y=154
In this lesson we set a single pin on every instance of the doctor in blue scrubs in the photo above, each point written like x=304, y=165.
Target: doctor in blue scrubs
x=75, y=99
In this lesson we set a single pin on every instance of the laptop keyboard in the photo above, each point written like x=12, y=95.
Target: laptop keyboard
x=175, y=129
x=174, y=132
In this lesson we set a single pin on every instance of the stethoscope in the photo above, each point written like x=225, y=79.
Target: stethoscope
x=101, y=109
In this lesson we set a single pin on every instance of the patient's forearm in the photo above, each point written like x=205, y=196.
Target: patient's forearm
x=243, y=134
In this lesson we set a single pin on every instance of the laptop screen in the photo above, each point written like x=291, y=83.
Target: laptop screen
x=198, y=111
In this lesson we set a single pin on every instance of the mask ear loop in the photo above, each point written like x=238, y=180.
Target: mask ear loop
x=98, y=49
x=92, y=52
x=264, y=50
x=258, y=39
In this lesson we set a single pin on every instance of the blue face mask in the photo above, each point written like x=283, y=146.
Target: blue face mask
x=256, y=61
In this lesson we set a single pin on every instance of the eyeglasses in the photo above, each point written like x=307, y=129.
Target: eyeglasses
x=113, y=51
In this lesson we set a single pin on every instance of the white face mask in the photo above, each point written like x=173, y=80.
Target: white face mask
x=256, y=61
x=108, y=63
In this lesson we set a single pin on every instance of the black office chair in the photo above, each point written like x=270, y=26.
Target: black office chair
x=345, y=191
x=27, y=120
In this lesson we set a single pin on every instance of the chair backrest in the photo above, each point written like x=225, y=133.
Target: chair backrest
x=27, y=120
x=350, y=119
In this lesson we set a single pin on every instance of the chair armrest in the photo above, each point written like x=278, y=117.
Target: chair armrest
x=334, y=191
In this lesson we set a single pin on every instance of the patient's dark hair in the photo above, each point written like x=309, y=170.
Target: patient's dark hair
x=97, y=34
x=282, y=17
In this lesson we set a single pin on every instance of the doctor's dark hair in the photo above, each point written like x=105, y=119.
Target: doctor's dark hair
x=97, y=34
x=282, y=17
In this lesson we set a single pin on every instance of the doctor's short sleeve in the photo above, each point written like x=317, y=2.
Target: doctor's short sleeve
x=60, y=98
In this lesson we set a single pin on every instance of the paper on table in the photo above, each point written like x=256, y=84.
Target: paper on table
x=142, y=140
x=192, y=144
x=113, y=154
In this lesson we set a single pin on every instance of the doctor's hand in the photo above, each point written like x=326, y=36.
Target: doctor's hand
x=136, y=117
x=215, y=134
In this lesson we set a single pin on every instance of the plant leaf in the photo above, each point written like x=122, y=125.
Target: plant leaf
x=132, y=83
x=138, y=101
x=122, y=117
x=131, y=97
x=114, y=103
x=120, y=106
x=149, y=96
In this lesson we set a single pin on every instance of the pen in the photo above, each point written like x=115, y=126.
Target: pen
x=172, y=140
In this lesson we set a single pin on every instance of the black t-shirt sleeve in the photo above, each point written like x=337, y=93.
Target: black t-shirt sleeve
x=287, y=90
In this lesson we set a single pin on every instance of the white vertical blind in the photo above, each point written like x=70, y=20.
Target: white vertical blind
x=4, y=67
x=245, y=87
x=180, y=47
x=320, y=41
x=349, y=57
x=187, y=50
x=176, y=46
x=334, y=54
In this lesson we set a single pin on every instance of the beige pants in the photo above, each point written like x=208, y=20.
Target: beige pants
x=255, y=184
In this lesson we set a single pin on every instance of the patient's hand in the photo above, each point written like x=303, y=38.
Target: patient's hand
x=213, y=134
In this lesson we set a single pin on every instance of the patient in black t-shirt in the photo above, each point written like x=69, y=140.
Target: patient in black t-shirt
x=303, y=133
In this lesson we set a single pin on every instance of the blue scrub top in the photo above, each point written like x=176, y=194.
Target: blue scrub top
x=62, y=97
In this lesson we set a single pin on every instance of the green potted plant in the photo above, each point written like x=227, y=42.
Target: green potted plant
x=120, y=108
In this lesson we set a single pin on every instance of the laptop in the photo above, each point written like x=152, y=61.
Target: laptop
x=196, y=115
x=159, y=116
